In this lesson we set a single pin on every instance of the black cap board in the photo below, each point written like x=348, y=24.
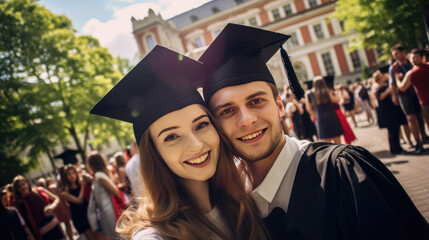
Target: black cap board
x=68, y=156
x=384, y=69
x=309, y=84
x=159, y=84
x=329, y=80
x=239, y=55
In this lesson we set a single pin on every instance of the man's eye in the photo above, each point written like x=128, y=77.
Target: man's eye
x=225, y=111
x=201, y=125
x=256, y=101
x=170, y=137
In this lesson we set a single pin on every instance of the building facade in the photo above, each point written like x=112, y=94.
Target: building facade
x=316, y=47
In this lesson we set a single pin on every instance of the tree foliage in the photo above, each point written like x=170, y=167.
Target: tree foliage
x=49, y=80
x=381, y=24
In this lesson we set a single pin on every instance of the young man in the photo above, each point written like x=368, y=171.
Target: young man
x=419, y=78
x=407, y=99
x=304, y=190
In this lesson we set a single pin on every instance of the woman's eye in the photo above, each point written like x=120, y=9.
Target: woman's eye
x=201, y=125
x=170, y=137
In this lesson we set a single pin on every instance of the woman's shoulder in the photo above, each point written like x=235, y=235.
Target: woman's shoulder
x=149, y=233
x=99, y=175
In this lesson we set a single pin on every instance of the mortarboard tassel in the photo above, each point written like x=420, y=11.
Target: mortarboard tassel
x=296, y=88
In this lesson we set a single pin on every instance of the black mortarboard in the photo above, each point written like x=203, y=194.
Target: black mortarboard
x=309, y=84
x=68, y=156
x=239, y=54
x=384, y=69
x=329, y=80
x=159, y=84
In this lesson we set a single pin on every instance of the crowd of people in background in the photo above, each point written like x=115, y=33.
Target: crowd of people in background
x=395, y=97
x=88, y=200
x=82, y=201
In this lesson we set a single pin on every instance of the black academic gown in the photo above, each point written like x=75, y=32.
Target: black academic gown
x=344, y=192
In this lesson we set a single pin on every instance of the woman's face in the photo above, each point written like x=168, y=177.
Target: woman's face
x=71, y=175
x=23, y=188
x=188, y=142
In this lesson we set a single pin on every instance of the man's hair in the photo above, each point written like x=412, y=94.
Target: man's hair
x=398, y=47
x=274, y=89
x=417, y=51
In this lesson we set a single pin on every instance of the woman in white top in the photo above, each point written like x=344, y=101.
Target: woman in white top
x=193, y=189
x=103, y=188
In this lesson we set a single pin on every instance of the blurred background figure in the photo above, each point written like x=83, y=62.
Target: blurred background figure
x=390, y=115
x=103, y=190
x=12, y=225
x=132, y=170
x=37, y=208
x=347, y=101
x=365, y=103
x=73, y=193
x=319, y=102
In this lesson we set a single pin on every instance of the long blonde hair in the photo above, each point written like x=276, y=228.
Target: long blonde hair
x=321, y=90
x=168, y=207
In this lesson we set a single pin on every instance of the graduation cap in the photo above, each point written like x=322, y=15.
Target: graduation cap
x=239, y=55
x=159, y=84
x=68, y=156
x=329, y=80
x=309, y=84
x=384, y=69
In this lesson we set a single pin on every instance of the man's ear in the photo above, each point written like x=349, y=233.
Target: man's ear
x=280, y=106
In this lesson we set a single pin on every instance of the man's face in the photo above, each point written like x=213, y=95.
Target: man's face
x=250, y=117
x=416, y=59
x=399, y=55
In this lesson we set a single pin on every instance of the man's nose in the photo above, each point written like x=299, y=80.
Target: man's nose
x=246, y=118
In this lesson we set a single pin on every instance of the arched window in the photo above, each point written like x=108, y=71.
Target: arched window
x=300, y=71
x=150, y=42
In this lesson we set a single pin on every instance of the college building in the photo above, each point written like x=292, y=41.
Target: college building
x=316, y=46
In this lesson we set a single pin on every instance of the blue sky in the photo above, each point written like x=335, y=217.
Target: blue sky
x=110, y=20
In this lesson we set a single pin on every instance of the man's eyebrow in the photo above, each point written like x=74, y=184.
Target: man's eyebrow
x=167, y=129
x=198, y=118
x=258, y=93
x=222, y=106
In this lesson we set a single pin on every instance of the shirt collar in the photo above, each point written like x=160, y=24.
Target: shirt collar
x=271, y=183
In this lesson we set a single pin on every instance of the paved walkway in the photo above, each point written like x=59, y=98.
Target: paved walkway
x=412, y=171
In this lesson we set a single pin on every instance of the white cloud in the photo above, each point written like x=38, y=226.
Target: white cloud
x=116, y=34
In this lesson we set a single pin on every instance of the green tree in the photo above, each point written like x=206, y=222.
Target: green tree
x=49, y=80
x=381, y=24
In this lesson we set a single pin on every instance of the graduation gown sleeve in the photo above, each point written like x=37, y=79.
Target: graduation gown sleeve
x=344, y=192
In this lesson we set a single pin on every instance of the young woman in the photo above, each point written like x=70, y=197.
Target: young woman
x=390, y=115
x=319, y=102
x=73, y=193
x=193, y=189
x=37, y=207
x=103, y=189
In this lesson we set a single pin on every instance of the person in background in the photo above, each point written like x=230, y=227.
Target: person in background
x=37, y=207
x=132, y=170
x=319, y=102
x=418, y=77
x=62, y=212
x=347, y=100
x=73, y=193
x=408, y=99
x=12, y=225
x=122, y=175
x=390, y=115
x=103, y=189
